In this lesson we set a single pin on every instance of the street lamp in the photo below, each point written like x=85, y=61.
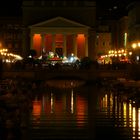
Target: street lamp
x=136, y=51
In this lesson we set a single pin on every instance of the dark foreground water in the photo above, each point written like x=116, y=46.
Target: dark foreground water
x=89, y=112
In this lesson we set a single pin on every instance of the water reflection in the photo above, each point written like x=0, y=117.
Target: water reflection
x=52, y=103
x=72, y=103
x=60, y=105
x=126, y=113
x=65, y=83
x=87, y=112
x=36, y=110
x=61, y=111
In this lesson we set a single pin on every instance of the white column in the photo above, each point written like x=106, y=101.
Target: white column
x=53, y=43
x=86, y=45
x=75, y=44
x=64, y=45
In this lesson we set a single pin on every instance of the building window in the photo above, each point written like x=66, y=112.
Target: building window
x=97, y=43
x=37, y=3
x=103, y=43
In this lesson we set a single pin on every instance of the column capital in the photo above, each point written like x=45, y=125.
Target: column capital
x=42, y=34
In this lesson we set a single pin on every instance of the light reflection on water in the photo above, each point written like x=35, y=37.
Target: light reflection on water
x=125, y=112
x=65, y=83
x=59, y=107
x=73, y=109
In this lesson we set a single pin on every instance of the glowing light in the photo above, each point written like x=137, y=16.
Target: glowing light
x=10, y=57
x=124, y=113
x=72, y=108
x=139, y=119
x=52, y=103
x=125, y=39
x=134, y=45
x=130, y=114
x=134, y=118
x=130, y=53
x=137, y=58
x=36, y=108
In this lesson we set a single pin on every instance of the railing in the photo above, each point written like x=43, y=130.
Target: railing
x=88, y=73
x=44, y=74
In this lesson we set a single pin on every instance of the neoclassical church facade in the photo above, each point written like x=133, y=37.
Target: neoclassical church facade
x=63, y=27
x=61, y=36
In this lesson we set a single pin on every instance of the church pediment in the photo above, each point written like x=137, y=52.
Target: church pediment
x=59, y=22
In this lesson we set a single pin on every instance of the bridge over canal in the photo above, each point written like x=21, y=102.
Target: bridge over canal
x=73, y=74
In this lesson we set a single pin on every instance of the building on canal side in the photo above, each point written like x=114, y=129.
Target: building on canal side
x=67, y=27
x=63, y=27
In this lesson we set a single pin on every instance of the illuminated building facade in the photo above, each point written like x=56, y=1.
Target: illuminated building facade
x=63, y=27
x=112, y=35
x=134, y=29
x=73, y=38
x=67, y=27
x=123, y=32
x=134, y=21
x=103, y=40
x=11, y=34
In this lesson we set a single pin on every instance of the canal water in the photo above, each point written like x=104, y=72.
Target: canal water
x=74, y=110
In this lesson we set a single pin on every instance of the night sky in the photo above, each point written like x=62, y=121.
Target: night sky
x=112, y=9
x=107, y=8
x=10, y=7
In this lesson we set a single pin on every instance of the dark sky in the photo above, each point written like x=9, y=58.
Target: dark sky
x=10, y=7
x=114, y=8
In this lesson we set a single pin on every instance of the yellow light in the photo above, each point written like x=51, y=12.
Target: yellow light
x=139, y=44
x=72, y=54
x=130, y=53
x=134, y=45
x=124, y=54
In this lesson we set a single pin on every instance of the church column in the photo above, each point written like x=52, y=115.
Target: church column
x=42, y=43
x=75, y=44
x=86, y=45
x=53, y=43
x=31, y=41
x=64, y=45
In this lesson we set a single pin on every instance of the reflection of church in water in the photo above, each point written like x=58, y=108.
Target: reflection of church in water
x=63, y=27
